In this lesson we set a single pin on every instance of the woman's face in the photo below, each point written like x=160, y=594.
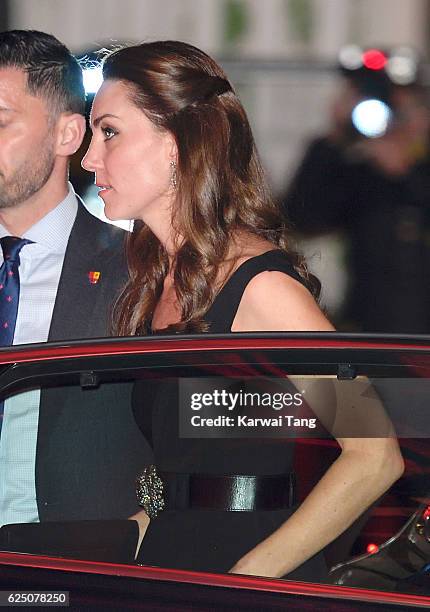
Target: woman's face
x=130, y=157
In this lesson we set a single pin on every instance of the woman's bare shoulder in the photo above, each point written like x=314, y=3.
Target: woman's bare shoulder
x=274, y=301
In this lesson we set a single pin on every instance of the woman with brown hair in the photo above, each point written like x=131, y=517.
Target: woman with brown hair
x=172, y=149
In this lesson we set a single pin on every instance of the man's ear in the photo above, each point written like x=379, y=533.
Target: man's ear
x=70, y=133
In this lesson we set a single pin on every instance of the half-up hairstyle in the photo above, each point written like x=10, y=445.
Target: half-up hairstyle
x=221, y=187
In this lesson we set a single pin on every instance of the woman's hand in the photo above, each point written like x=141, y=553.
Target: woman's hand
x=143, y=521
x=256, y=564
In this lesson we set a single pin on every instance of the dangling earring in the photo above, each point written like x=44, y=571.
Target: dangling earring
x=174, y=174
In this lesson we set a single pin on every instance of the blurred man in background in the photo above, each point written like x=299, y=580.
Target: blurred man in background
x=375, y=186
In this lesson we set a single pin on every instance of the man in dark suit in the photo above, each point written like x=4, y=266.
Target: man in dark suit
x=65, y=454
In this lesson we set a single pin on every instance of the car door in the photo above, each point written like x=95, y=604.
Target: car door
x=288, y=390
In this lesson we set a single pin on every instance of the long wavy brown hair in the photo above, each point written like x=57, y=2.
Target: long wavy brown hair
x=221, y=187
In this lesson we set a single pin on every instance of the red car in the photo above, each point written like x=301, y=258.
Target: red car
x=375, y=567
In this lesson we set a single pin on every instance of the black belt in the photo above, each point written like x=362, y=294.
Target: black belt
x=176, y=491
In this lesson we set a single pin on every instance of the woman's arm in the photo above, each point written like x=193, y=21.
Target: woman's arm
x=366, y=467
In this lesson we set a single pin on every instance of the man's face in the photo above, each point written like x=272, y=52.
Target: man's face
x=27, y=153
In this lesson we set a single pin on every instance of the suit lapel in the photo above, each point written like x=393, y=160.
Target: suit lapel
x=77, y=296
x=80, y=311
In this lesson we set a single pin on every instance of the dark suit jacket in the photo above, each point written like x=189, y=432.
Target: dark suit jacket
x=89, y=449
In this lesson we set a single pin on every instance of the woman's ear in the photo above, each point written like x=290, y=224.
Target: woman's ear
x=70, y=133
x=172, y=147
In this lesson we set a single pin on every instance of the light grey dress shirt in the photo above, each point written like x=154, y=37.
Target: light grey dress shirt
x=39, y=271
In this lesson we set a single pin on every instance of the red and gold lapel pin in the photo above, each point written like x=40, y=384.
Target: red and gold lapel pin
x=94, y=277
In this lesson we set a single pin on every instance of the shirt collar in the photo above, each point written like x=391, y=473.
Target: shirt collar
x=53, y=230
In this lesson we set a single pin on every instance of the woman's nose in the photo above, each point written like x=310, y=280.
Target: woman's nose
x=91, y=160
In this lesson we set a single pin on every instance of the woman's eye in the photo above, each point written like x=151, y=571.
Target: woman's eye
x=108, y=133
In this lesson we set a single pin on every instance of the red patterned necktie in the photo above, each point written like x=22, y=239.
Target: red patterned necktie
x=9, y=291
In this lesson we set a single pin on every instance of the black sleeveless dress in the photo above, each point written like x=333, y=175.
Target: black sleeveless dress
x=214, y=540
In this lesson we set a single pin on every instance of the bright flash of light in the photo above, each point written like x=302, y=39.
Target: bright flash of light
x=93, y=78
x=371, y=118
